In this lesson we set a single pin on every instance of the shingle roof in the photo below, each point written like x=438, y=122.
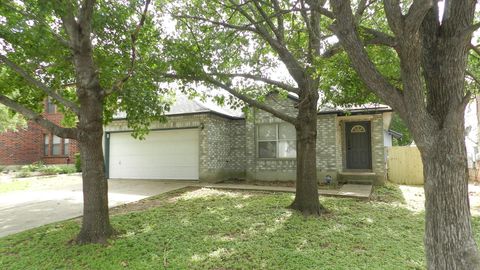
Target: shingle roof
x=366, y=108
x=185, y=105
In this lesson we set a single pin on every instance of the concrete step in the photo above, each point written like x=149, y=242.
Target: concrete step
x=360, y=182
x=361, y=178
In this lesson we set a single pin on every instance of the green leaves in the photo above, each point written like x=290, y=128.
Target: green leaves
x=33, y=37
x=10, y=121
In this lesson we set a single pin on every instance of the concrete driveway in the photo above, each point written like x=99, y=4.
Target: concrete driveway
x=59, y=198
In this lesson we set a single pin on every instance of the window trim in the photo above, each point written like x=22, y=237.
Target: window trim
x=51, y=105
x=46, y=145
x=66, y=147
x=276, y=140
x=59, y=144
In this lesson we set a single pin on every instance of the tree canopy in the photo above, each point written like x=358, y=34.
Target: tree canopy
x=34, y=46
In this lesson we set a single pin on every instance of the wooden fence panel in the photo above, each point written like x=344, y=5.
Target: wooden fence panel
x=404, y=165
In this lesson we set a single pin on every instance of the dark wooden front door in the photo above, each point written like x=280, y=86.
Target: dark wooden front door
x=358, y=141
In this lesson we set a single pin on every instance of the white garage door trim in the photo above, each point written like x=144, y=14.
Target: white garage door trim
x=163, y=154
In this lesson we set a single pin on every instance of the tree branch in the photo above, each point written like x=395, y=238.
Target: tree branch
x=69, y=22
x=344, y=28
x=325, y=12
x=269, y=22
x=85, y=15
x=473, y=77
x=282, y=85
x=379, y=38
x=70, y=133
x=415, y=15
x=394, y=16
x=293, y=66
x=281, y=27
x=362, y=6
x=47, y=90
x=470, y=29
x=224, y=24
x=133, y=37
x=250, y=101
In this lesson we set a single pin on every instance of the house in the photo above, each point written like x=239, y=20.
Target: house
x=199, y=142
x=35, y=144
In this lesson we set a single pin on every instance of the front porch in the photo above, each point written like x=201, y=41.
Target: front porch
x=361, y=149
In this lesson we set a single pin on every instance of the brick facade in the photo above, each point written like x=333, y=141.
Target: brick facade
x=26, y=146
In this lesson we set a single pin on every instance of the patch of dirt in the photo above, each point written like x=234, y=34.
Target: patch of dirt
x=415, y=198
x=150, y=202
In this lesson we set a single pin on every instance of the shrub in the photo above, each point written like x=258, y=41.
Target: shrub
x=78, y=162
x=34, y=167
x=50, y=169
x=22, y=174
x=68, y=169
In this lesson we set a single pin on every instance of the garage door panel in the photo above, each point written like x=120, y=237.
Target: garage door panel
x=169, y=154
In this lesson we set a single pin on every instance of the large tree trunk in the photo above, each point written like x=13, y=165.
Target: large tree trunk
x=449, y=241
x=306, y=194
x=96, y=226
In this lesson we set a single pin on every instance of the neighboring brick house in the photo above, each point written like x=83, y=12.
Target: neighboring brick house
x=199, y=142
x=35, y=144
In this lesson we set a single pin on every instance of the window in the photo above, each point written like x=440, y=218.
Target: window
x=46, y=144
x=51, y=108
x=66, y=145
x=276, y=141
x=357, y=129
x=56, y=144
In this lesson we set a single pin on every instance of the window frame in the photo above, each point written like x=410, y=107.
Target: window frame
x=51, y=106
x=60, y=144
x=277, y=141
x=66, y=146
x=46, y=145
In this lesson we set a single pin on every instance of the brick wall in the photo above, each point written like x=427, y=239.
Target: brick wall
x=228, y=147
x=284, y=169
x=268, y=169
x=26, y=146
x=221, y=149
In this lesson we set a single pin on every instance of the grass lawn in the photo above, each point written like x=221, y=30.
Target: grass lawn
x=13, y=186
x=209, y=229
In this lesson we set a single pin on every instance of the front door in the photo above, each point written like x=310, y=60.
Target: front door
x=358, y=141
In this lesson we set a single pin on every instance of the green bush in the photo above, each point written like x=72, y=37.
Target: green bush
x=34, y=167
x=27, y=170
x=50, y=169
x=68, y=169
x=78, y=162
x=22, y=174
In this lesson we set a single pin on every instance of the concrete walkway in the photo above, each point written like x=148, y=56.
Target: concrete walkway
x=347, y=191
x=61, y=198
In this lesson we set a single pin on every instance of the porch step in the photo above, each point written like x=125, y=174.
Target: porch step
x=359, y=178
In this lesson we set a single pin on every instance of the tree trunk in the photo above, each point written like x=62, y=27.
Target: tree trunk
x=449, y=241
x=306, y=193
x=96, y=226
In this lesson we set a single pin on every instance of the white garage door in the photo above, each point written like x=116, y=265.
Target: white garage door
x=169, y=154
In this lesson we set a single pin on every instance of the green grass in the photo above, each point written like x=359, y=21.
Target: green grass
x=234, y=230
x=13, y=186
